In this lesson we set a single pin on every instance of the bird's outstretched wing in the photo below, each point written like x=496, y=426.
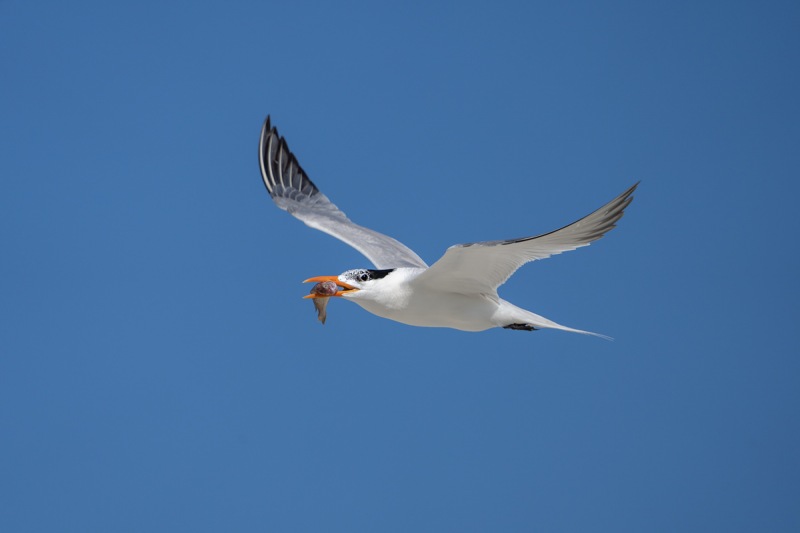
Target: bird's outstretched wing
x=291, y=190
x=481, y=267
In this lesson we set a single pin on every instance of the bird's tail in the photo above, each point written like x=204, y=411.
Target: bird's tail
x=513, y=317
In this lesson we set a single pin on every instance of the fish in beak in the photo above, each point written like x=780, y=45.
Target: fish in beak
x=326, y=287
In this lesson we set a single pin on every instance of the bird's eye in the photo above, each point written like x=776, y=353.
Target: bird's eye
x=363, y=276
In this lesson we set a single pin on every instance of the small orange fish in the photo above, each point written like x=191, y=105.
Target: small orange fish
x=323, y=290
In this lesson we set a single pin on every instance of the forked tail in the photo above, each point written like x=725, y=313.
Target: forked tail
x=512, y=317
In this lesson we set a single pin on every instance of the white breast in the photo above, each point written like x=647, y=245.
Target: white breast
x=395, y=298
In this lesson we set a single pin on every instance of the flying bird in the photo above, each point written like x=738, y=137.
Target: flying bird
x=458, y=291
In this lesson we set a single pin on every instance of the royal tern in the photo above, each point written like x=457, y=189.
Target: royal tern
x=458, y=291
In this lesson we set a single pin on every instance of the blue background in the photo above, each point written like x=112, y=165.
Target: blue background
x=160, y=371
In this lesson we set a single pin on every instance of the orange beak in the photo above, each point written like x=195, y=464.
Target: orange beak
x=347, y=288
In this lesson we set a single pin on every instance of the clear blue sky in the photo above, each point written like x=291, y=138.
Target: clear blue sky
x=160, y=371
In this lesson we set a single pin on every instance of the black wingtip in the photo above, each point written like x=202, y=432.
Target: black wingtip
x=268, y=127
x=279, y=166
x=266, y=132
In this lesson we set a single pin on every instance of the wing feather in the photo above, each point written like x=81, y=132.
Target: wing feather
x=293, y=191
x=481, y=267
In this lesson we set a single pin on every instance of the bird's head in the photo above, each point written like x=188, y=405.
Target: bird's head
x=348, y=283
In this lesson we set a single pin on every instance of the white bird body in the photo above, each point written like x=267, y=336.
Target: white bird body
x=399, y=297
x=459, y=291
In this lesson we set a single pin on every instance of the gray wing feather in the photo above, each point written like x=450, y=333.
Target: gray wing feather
x=481, y=267
x=293, y=191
